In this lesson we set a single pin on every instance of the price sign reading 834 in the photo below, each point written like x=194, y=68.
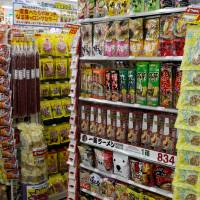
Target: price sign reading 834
x=166, y=158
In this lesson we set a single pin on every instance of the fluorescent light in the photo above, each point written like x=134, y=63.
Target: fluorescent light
x=7, y=7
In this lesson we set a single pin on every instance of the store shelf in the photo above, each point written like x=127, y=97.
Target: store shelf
x=130, y=150
x=59, y=196
x=94, y=194
x=121, y=104
x=125, y=180
x=131, y=58
x=142, y=14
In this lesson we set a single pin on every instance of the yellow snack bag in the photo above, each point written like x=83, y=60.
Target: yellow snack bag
x=188, y=120
x=64, y=132
x=53, y=137
x=44, y=90
x=61, y=45
x=189, y=158
x=52, y=163
x=45, y=110
x=133, y=194
x=62, y=159
x=47, y=68
x=112, y=7
x=191, y=80
x=65, y=106
x=61, y=68
x=57, y=108
x=55, y=90
x=46, y=44
x=189, y=100
x=191, y=58
x=184, y=193
x=124, y=7
x=65, y=88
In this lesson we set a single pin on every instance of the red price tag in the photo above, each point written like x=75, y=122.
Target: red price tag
x=166, y=158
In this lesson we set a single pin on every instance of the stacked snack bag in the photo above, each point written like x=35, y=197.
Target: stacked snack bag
x=187, y=176
x=8, y=153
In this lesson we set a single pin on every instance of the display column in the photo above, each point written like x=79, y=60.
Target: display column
x=73, y=154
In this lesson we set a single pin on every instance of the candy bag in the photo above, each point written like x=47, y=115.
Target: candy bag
x=54, y=90
x=57, y=110
x=46, y=112
x=44, y=90
x=61, y=68
x=52, y=163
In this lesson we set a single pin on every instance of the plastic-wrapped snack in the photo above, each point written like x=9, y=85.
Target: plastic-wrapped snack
x=136, y=36
x=101, y=123
x=123, y=7
x=121, y=191
x=191, y=80
x=47, y=68
x=151, y=5
x=64, y=132
x=82, y=5
x=137, y=6
x=190, y=100
x=187, y=176
x=61, y=45
x=93, y=120
x=52, y=133
x=189, y=120
x=62, y=159
x=95, y=182
x=54, y=90
x=189, y=158
x=184, y=193
x=108, y=188
x=57, y=109
x=188, y=139
x=65, y=89
x=61, y=68
x=85, y=118
x=191, y=58
x=101, y=9
x=52, y=163
x=132, y=194
x=44, y=90
x=111, y=7
x=65, y=107
x=111, y=124
x=86, y=155
x=84, y=179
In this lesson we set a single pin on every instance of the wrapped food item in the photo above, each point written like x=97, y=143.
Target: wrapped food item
x=52, y=163
x=101, y=9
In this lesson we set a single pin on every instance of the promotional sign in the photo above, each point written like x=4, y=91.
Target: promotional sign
x=37, y=15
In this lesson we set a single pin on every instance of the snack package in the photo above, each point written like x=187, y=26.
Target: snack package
x=151, y=5
x=191, y=58
x=110, y=39
x=177, y=86
x=95, y=182
x=166, y=35
x=121, y=191
x=61, y=68
x=188, y=139
x=115, y=85
x=86, y=40
x=53, y=136
x=147, y=174
x=62, y=159
x=111, y=7
x=46, y=44
x=98, y=39
x=104, y=160
x=188, y=177
x=44, y=90
x=93, y=120
x=188, y=120
x=145, y=136
x=121, y=125
x=108, y=188
x=111, y=124
x=57, y=109
x=82, y=5
x=184, y=3
x=108, y=85
x=101, y=123
x=46, y=112
x=84, y=178
x=64, y=132
x=86, y=155
x=166, y=4
x=153, y=84
x=121, y=164
x=166, y=84
x=54, y=90
x=131, y=93
x=151, y=42
x=47, y=68
x=99, y=83
x=65, y=107
x=136, y=170
x=163, y=177
x=132, y=194
x=123, y=84
x=190, y=80
x=52, y=163
x=122, y=37
x=142, y=82
x=61, y=45
x=179, y=32
x=64, y=89
x=85, y=118
x=137, y=6
x=136, y=36
x=101, y=9
x=90, y=9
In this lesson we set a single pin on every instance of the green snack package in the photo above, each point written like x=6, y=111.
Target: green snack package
x=153, y=84
x=137, y=6
x=123, y=84
x=151, y=5
x=142, y=82
x=131, y=85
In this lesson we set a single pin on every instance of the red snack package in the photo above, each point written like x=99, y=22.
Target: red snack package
x=147, y=174
x=108, y=85
x=163, y=177
x=136, y=171
x=115, y=85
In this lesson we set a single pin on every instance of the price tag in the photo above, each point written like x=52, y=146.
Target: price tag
x=166, y=158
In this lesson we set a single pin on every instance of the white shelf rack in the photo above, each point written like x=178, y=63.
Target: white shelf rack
x=132, y=58
x=141, y=14
x=121, y=104
x=130, y=182
x=130, y=150
x=58, y=196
